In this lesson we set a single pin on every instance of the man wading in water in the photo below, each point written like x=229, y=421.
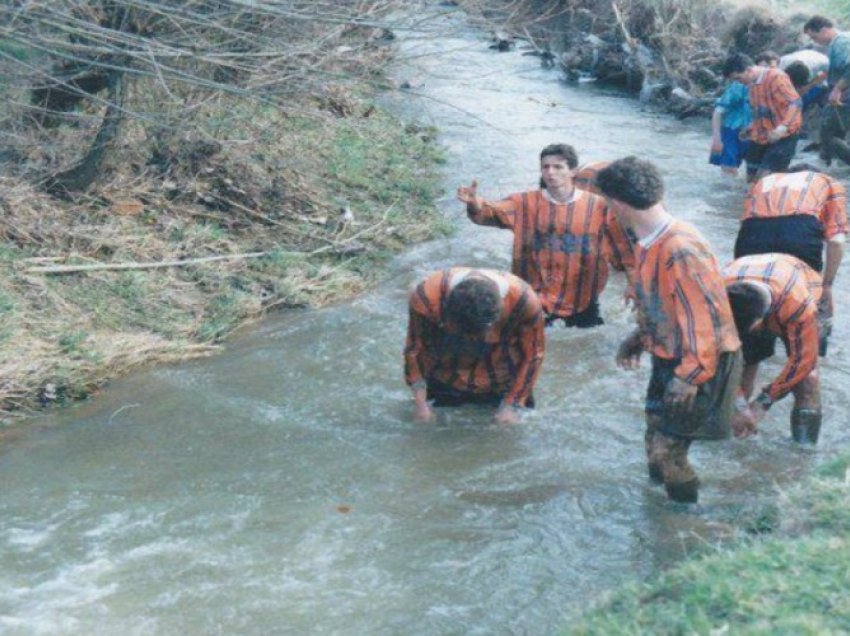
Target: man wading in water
x=684, y=321
x=474, y=336
x=564, y=238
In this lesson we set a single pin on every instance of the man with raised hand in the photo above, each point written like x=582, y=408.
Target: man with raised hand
x=684, y=322
x=565, y=238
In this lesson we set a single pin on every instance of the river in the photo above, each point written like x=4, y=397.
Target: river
x=282, y=488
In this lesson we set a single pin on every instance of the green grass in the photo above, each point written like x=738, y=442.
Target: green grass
x=793, y=579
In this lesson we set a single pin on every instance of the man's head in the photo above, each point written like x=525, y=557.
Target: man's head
x=768, y=58
x=557, y=162
x=635, y=182
x=798, y=73
x=741, y=68
x=820, y=29
x=749, y=306
x=473, y=305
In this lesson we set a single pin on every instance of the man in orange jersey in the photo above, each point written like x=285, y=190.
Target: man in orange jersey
x=797, y=213
x=777, y=115
x=474, y=336
x=776, y=296
x=684, y=321
x=564, y=238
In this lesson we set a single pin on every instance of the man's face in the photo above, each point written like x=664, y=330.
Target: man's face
x=821, y=37
x=556, y=172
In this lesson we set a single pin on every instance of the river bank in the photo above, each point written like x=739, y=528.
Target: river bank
x=256, y=209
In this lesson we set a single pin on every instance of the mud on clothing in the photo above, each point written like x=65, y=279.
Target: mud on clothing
x=562, y=250
x=795, y=290
x=683, y=309
x=505, y=362
x=713, y=406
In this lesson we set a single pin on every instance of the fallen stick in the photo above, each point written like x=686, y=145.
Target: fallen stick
x=70, y=269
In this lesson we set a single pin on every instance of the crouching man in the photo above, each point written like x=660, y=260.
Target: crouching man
x=684, y=321
x=776, y=296
x=473, y=336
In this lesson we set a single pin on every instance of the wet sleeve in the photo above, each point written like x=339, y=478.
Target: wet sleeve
x=533, y=344
x=839, y=58
x=495, y=214
x=418, y=330
x=696, y=314
x=802, y=340
x=835, y=211
x=618, y=249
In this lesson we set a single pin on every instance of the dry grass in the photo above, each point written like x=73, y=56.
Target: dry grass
x=248, y=180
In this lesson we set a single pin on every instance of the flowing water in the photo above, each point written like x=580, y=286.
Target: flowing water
x=282, y=488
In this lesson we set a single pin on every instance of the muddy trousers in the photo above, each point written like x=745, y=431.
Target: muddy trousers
x=667, y=460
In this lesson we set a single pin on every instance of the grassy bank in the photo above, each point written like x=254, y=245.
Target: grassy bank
x=788, y=574
x=274, y=183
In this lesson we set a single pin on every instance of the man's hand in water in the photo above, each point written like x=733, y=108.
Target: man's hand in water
x=628, y=354
x=422, y=410
x=507, y=415
x=744, y=424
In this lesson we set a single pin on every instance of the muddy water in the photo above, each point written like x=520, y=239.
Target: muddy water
x=281, y=488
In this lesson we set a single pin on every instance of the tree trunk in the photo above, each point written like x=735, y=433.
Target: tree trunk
x=82, y=175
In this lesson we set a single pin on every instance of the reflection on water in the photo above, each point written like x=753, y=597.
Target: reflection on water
x=281, y=488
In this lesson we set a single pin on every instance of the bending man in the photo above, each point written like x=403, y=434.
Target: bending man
x=474, y=336
x=776, y=296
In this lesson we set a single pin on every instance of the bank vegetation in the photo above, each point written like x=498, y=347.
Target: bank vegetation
x=173, y=169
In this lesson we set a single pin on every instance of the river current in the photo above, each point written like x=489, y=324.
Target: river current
x=281, y=487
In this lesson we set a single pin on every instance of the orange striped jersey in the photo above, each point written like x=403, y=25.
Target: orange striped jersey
x=585, y=176
x=774, y=102
x=561, y=249
x=806, y=192
x=683, y=309
x=506, y=360
x=795, y=290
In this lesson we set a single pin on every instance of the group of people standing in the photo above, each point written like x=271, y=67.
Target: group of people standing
x=478, y=335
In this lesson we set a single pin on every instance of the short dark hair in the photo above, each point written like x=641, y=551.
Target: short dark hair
x=564, y=150
x=736, y=63
x=767, y=56
x=816, y=23
x=799, y=73
x=748, y=305
x=802, y=167
x=473, y=304
x=635, y=182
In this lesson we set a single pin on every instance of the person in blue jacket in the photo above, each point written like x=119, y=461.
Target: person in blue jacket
x=731, y=116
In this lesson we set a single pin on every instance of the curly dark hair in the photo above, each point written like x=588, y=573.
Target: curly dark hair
x=635, y=182
x=473, y=304
x=564, y=150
